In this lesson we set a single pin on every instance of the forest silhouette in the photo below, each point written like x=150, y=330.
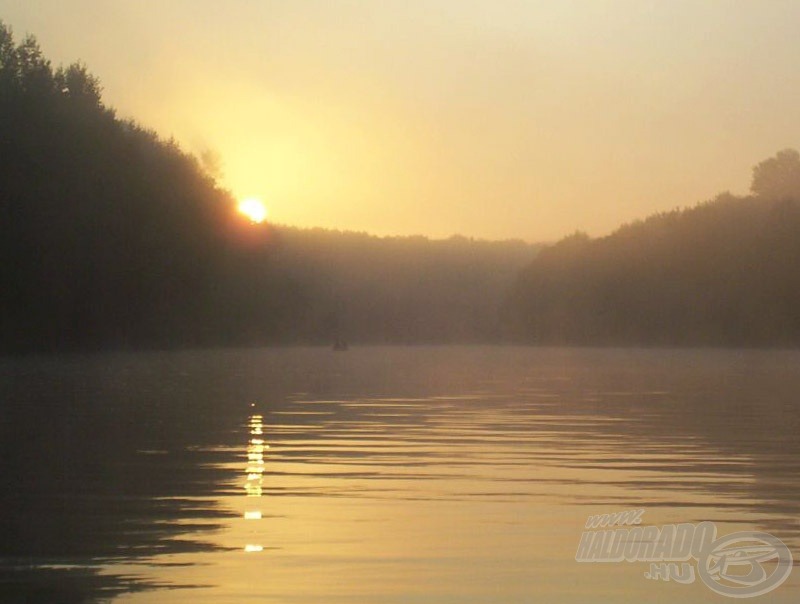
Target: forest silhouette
x=113, y=238
x=722, y=273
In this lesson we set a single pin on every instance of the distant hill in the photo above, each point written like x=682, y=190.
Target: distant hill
x=723, y=273
x=113, y=238
x=401, y=289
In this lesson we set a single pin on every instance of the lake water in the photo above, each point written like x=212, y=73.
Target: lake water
x=383, y=475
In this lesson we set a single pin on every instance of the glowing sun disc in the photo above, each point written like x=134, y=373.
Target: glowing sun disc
x=253, y=208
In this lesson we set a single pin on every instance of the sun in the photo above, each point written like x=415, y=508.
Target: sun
x=253, y=208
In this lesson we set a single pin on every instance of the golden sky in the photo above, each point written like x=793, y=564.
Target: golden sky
x=489, y=118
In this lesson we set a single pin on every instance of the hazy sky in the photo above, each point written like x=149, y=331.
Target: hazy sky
x=490, y=118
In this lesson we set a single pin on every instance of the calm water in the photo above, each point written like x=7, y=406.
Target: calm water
x=382, y=475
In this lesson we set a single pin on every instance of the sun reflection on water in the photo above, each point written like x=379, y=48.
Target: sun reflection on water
x=254, y=473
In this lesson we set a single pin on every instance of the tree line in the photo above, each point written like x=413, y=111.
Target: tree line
x=111, y=237
x=721, y=273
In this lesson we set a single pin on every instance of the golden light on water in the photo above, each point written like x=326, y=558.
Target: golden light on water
x=256, y=447
x=253, y=208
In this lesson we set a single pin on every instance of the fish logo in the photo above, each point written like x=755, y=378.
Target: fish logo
x=745, y=564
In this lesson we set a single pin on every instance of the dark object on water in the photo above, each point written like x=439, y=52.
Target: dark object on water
x=340, y=345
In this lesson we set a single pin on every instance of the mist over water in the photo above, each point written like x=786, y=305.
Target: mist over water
x=430, y=474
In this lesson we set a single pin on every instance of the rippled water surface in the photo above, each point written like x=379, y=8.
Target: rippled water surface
x=383, y=475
